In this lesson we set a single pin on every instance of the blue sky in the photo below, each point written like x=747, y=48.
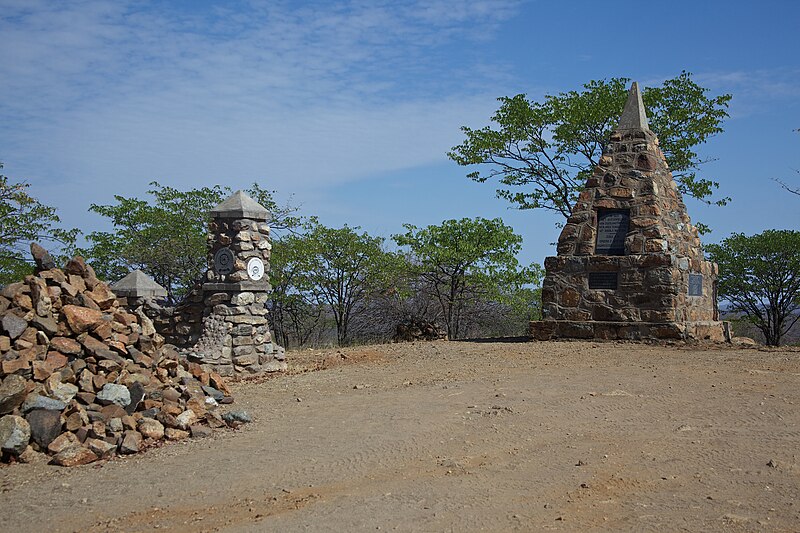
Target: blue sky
x=350, y=107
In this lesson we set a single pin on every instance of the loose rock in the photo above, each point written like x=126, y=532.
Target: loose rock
x=45, y=426
x=237, y=417
x=74, y=456
x=15, y=433
x=12, y=393
x=116, y=394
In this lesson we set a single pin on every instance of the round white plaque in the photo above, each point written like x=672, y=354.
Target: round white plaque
x=255, y=268
x=223, y=261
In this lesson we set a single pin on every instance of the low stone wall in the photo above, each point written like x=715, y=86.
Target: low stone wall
x=713, y=331
x=235, y=333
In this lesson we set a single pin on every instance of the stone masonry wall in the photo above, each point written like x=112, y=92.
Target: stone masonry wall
x=223, y=324
x=652, y=270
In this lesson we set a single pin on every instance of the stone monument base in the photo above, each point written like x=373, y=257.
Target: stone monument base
x=714, y=331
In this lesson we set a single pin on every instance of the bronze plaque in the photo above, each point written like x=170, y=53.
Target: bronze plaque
x=612, y=227
x=695, y=284
x=603, y=280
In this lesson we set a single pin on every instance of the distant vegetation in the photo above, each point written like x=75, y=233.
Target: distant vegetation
x=24, y=219
x=333, y=285
x=759, y=276
x=344, y=286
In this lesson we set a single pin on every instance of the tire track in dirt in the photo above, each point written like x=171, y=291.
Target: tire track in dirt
x=463, y=436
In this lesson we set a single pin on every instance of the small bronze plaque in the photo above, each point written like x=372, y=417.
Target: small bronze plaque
x=612, y=228
x=695, y=284
x=224, y=261
x=603, y=280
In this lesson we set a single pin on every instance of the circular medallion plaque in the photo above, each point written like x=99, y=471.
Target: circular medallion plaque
x=223, y=261
x=255, y=268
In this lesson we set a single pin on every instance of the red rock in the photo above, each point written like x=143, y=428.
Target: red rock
x=129, y=422
x=55, y=361
x=77, y=282
x=40, y=371
x=101, y=448
x=131, y=442
x=198, y=406
x=74, y=456
x=20, y=365
x=103, y=330
x=102, y=296
x=125, y=318
x=13, y=391
x=81, y=319
x=117, y=346
x=91, y=278
x=29, y=335
x=76, y=265
x=65, y=345
x=62, y=442
x=99, y=381
x=151, y=429
x=54, y=274
x=175, y=434
x=34, y=353
x=75, y=421
x=112, y=411
x=218, y=383
x=199, y=431
x=87, y=398
x=23, y=301
x=85, y=301
x=68, y=288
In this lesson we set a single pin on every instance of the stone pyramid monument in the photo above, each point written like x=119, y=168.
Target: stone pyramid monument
x=630, y=264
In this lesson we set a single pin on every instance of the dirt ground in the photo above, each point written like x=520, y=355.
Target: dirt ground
x=463, y=436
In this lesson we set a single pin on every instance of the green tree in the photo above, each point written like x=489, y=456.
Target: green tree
x=344, y=268
x=23, y=219
x=295, y=316
x=542, y=152
x=464, y=261
x=760, y=277
x=166, y=236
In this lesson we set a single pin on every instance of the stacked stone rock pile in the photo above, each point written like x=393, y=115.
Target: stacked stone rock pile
x=417, y=330
x=84, y=378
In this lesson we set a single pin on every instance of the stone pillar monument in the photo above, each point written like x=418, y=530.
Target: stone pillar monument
x=630, y=264
x=236, y=337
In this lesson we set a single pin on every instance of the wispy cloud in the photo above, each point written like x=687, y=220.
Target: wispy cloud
x=755, y=90
x=306, y=96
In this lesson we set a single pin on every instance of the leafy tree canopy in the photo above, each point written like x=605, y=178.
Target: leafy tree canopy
x=23, y=219
x=542, y=152
x=342, y=269
x=463, y=260
x=760, y=277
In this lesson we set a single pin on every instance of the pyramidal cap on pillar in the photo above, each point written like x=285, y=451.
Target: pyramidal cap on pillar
x=137, y=284
x=633, y=115
x=240, y=205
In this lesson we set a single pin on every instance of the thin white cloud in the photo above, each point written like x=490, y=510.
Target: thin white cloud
x=114, y=94
x=753, y=91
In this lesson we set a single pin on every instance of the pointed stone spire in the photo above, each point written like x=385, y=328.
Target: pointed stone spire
x=137, y=284
x=633, y=115
x=239, y=205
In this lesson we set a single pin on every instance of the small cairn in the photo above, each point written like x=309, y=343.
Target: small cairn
x=417, y=330
x=84, y=378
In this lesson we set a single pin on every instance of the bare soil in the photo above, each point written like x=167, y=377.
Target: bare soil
x=463, y=436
